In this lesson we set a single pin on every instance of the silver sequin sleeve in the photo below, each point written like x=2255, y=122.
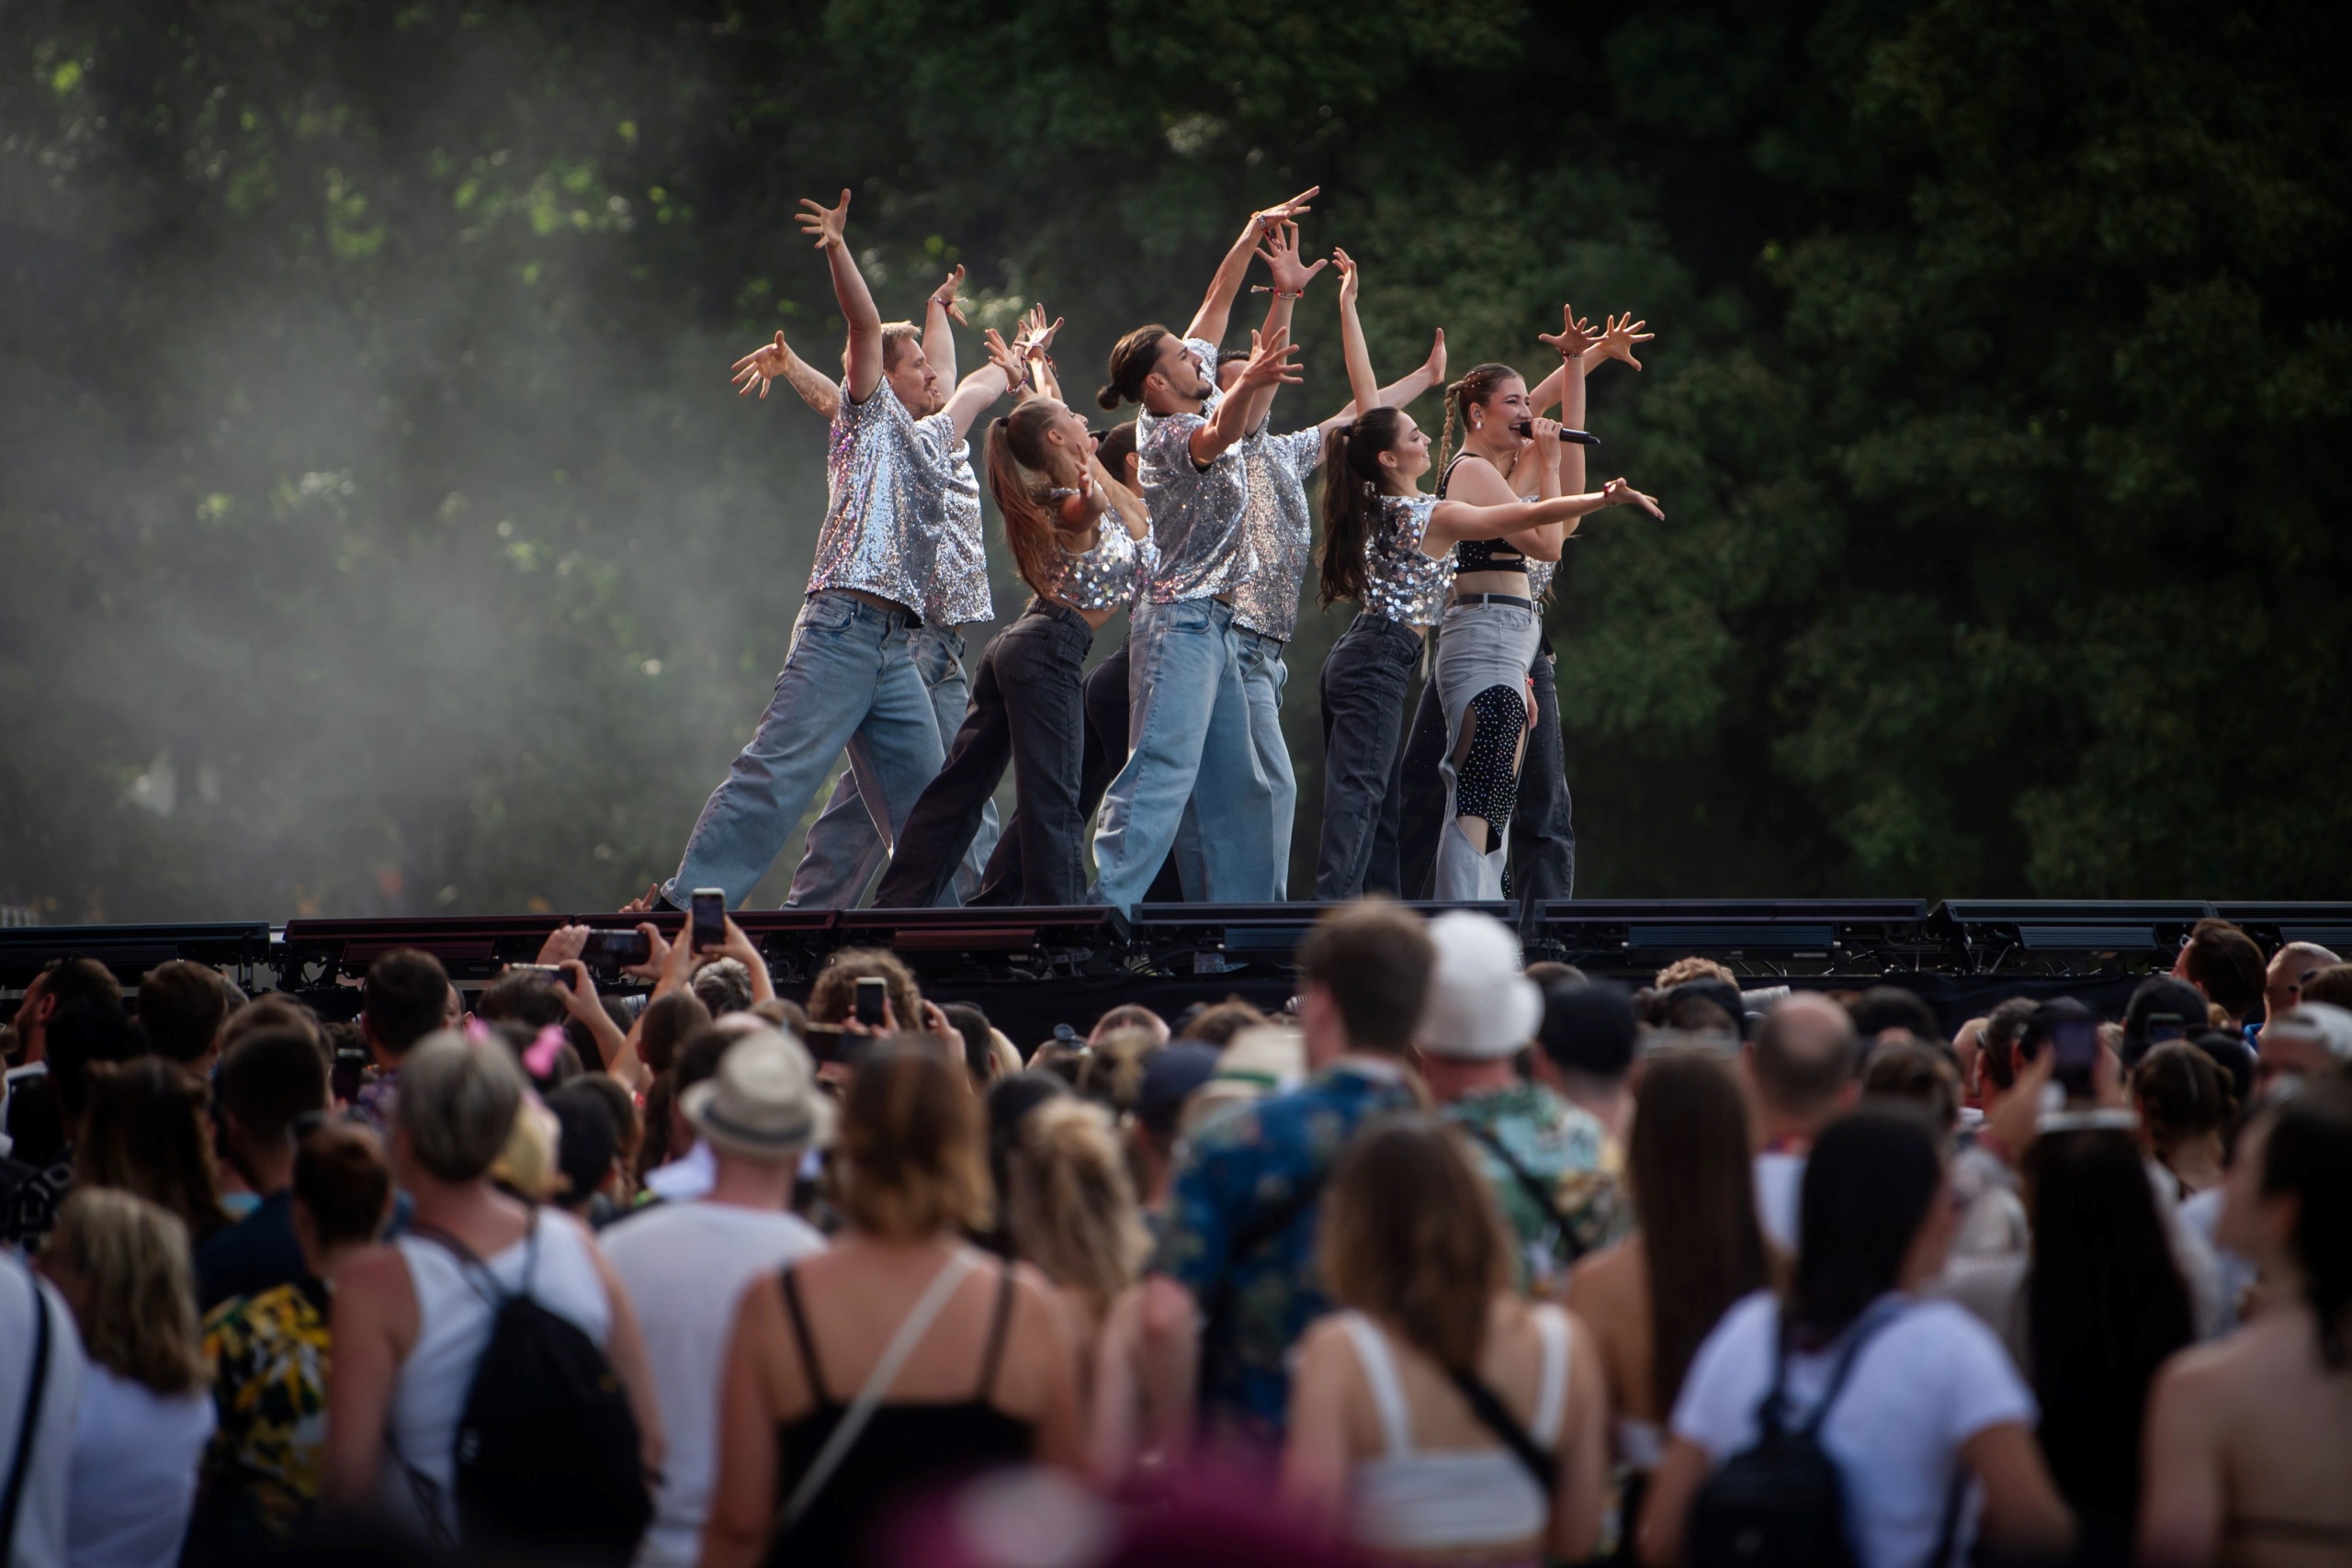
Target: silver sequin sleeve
x=1403, y=582
x=1109, y=576
x=1195, y=511
x=1277, y=534
x=956, y=579
x=887, y=486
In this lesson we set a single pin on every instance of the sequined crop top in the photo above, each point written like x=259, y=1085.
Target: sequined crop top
x=1480, y=554
x=1107, y=576
x=1401, y=581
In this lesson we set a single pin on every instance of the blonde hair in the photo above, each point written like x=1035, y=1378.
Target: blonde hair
x=1072, y=1209
x=1411, y=1235
x=1682, y=971
x=913, y=1150
x=897, y=337
x=138, y=1314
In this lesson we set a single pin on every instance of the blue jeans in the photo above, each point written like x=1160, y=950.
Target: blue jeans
x=1263, y=676
x=1188, y=729
x=851, y=679
x=845, y=851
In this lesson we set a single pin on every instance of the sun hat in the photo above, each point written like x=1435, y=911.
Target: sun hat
x=763, y=1103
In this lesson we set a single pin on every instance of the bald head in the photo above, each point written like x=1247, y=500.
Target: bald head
x=2282, y=983
x=1804, y=1057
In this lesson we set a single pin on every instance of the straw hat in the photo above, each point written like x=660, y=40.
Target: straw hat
x=763, y=1103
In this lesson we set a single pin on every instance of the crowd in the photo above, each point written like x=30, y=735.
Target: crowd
x=1454, y=1260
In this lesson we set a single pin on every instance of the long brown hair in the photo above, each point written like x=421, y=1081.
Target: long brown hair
x=1411, y=1235
x=1016, y=458
x=1353, y=484
x=1476, y=385
x=1694, y=1196
x=145, y=1132
x=913, y=1149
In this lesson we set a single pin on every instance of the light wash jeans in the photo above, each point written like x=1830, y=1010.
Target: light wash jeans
x=1263, y=676
x=1480, y=647
x=1188, y=729
x=851, y=679
x=846, y=852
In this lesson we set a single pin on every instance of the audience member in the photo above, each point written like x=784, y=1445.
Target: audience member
x=1070, y=1210
x=2223, y=963
x=725, y=986
x=266, y=1085
x=407, y=996
x=121, y=1263
x=2186, y=1107
x=145, y=1132
x=1704, y=1006
x=1130, y=1015
x=685, y=1265
x=1241, y=1224
x=1109, y=1071
x=832, y=999
x=2332, y=986
x=1588, y=1037
x=30, y=1115
x=1543, y=1158
x=2294, y=963
x=75, y=1041
x=1997, y=1068
x=1218, y=1024
x=1682, y=971
x=953, y=1362
x=1923, y=1391
x=690, y=1167
x=1696, y=1249
x=42, y=1375
x=1172, y=1076
x=587, y=1146
x=182, y=1005
x=2246, y=1437
x=412, y=1319
x=1884, y=1011
x=629, y=1132
x=2314, y=1040
x=2163, y=1007
x=1902, y=1066
x=1801, y=1070
x=971, y=1025
x=269, y=1353
x=1420, y=1411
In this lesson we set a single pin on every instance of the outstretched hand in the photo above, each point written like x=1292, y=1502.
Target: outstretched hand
x=1435, y=365
x=1265, y=218
x=761, y=366
x=1005, y=358
x=1349, y=282
x=1035, y=338
x=1617, y=340
x=1576, y=335
x=945, y=297
x=825, y=225
x=1270, y=362
x=1617, y=493
x=1280, y=251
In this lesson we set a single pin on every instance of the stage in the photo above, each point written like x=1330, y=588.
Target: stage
x=1031, y=968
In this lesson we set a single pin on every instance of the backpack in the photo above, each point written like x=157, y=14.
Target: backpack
x=1782, y=1503
x=546, y=1457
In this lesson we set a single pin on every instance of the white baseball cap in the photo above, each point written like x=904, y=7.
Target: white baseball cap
x=1481, y=1005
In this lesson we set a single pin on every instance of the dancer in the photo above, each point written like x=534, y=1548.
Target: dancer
x=1387, y=545
x=1276, y=538
x=1083, y=542
x=844, y=848
x=1497, y=595
x=1189, y=718
x=851, y=677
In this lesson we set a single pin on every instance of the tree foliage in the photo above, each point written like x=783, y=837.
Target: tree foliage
x=380, y=531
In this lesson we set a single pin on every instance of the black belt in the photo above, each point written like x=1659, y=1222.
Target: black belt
x=1515, y=601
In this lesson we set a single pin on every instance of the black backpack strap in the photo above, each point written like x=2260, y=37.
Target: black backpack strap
x=997, y=1322
x=1496, y=1416
x=36, y=1389
x=1865, y=1329
x=1530, y=1184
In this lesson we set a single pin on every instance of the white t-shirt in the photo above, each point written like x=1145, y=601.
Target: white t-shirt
x=685, y=1267
x=1925, y=1384
x=40, y=1510
x=1780, y=1186
x=135, y=1456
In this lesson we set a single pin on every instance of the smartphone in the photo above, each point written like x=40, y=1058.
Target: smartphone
x=349, y=1071
x=872, y=992
x=2164, y=1026
x=2076, y=1041
x=620, y=949
x=707, y=916
x=551, y=972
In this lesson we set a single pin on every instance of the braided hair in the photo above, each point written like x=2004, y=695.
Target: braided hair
x=1477, y=384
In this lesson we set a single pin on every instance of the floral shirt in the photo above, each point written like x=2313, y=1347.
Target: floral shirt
x=1236, y=1170
x=269, y=1385
x=376, y=1098
x=1567, y=1153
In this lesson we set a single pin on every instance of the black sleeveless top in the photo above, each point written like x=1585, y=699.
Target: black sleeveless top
x=907, y=1448
x=1479, y=554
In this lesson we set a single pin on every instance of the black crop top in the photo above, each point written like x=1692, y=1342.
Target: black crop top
x=1480, y=554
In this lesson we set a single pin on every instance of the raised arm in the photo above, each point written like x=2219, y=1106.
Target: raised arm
x=1404, y=388
x=1034, y=343
x=941, y=316
x=1270, y=366
x=1001, y=375
x=1615, y=340
x=1216, y=309
x=828, y=227
x=776, y=361
x=1290, y=278
x=1363, y=385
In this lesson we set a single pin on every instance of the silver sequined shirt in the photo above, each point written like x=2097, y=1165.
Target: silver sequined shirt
x=1196, y=511
x=1108, y=577
x=890, y=484
x=1276, y=533
x=1401, y=581
x=956, y=579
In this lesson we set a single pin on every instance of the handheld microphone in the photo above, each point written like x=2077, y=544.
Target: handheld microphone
x=1582, y=437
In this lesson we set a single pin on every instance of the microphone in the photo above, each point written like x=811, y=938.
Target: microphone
x=1582, y=437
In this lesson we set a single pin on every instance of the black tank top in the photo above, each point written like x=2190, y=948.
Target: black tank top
x=1479, y=554
x=906, y=1448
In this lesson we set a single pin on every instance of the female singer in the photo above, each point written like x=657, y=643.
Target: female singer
x=1389, y=547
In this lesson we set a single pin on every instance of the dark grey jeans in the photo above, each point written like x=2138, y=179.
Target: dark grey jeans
x=1363, y=682
x=1026, y=710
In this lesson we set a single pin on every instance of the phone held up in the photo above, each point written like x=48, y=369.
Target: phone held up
x=872, y=995
x=2076, y=1040
x=707, y=917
